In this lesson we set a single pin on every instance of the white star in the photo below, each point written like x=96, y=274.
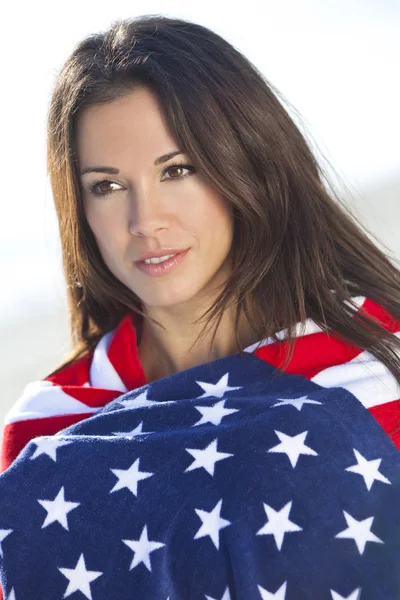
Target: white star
x=79, y=578
x=212, y=523
x=296, y=402
x=218, y=389
x=133, y=432
x=353, y=596
x=48, y=445
x=278, y=523
x=292, y=446
x=226, y=596
x=3, y=534
x=57, y=509
x=369, y=469
x=139, y=401
x=142, y=549
x=215, y=413
x=279, y=594
x=206, y=458
x=129, y=478
x=12, y=595
x=359, y=531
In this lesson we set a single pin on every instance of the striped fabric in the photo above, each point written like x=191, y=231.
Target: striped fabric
x=232, y=482
x=80, y=390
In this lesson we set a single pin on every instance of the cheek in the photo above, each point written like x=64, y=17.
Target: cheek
x=96, y=224
x=217, y=222
x=213, y=213
x=104, y=228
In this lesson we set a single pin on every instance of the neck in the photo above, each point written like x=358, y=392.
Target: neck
x=163, y=352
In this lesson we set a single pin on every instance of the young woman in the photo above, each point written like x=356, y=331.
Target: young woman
x=244, y=391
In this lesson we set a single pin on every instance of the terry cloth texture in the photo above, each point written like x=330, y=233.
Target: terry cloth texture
x=230, y=480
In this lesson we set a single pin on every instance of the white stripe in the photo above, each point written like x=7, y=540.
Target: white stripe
x=300, y=330
x=41, y=399
x=357, y=300
x=365, y=377
x=102, y=372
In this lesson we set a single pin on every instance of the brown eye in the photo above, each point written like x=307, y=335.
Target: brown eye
x=95, y=187
x=179, y=167
x=100, y=187
x=174, y=169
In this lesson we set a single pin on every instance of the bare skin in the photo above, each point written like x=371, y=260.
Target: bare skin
x=154, y=207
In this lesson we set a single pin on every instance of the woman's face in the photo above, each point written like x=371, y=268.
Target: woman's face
x=150, y=206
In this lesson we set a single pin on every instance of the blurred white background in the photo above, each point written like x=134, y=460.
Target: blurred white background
x=334, y=61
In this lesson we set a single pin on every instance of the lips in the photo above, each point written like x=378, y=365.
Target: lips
x=162, y=268
x=171, y=255
x=159, y=254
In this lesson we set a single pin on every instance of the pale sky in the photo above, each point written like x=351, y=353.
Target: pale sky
x=335, y=61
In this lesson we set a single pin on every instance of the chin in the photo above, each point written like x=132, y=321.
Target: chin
x=165, y=300
x=170, y=294
x=174, y=291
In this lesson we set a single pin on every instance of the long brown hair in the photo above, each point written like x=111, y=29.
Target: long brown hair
x=297, y=252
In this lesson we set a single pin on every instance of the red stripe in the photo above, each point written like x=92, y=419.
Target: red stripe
x=318, y=351
x=123, y=355
x=385, y=318
x=312, y=353
x=17, y=435
x=75, y=374
x=93, y=397
x=388, y=416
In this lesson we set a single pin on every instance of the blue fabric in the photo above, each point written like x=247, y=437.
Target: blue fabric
x=242, y=493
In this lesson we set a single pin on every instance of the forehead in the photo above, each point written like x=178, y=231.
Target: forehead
x=133, y=125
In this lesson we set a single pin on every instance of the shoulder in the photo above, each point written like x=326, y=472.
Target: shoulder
x=75, y=392
x=71, y=394
x=99, y=370
x=329, y=362
x=43, y=408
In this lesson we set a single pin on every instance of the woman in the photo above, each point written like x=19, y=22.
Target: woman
x=165, y=460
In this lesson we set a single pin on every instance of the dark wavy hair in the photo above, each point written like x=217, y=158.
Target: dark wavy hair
x=297, y=251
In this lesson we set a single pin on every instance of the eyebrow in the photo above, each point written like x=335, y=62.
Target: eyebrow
x=113, y=171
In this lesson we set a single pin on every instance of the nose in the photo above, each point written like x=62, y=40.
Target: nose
x=147, y=214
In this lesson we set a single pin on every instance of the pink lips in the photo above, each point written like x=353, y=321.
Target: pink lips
x=162, y=268
x=160, y=253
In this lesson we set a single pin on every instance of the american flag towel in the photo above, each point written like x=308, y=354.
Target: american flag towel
x=227, y=481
